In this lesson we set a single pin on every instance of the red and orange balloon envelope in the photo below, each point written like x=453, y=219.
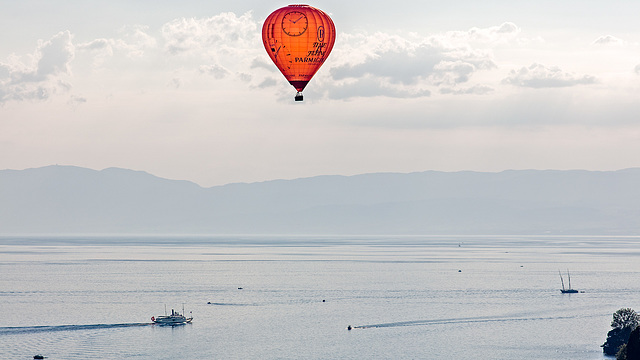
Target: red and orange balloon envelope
x=298, y=38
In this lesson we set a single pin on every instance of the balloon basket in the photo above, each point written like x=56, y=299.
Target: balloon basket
x=298, y=96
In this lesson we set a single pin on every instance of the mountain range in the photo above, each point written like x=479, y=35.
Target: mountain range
x=73, y=200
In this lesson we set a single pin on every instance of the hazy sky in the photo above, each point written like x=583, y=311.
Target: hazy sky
x=185, y=90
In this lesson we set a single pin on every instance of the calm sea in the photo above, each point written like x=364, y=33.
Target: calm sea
x=270, y=297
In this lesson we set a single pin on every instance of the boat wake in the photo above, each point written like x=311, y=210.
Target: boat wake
x=230, y=304
x=459, y=321
x=35, y=329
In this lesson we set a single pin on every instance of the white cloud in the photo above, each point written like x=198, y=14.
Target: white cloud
x=175, y=83
x=217, y=71
x=5, y=71
x=221, y=32
x=101, y=49
x=406, y=66
x=361, y=65
x=244, y=77
x=452, y=72
x=492, y=35
x=370, y=86
x=473, y=90
x=393, y=58
x=541, y=76
x=135, y=41
x=260, y=63
x=96, y=45
x=268, y=82
x=55, y=56
x=76, y=100
x=608, y=40
x=40, y=77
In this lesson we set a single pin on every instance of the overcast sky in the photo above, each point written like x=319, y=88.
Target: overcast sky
x=185, y=90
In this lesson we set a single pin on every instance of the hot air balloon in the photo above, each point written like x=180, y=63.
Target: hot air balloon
x=298, y=38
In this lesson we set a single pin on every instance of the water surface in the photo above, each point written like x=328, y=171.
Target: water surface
x=271, y=297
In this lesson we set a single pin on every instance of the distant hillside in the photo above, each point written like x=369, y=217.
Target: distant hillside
x=67, y=199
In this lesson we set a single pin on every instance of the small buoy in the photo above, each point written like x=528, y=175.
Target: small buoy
x=209, y=302
x=349, y=327
x=322, y=300
x=239, y=288
x=459, y=270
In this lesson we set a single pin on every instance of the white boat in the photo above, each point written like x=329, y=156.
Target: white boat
x=174, y=319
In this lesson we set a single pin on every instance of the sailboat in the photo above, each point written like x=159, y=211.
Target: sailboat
x=568, y=290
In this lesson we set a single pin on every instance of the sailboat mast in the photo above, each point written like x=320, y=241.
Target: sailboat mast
x=562, y=280
x=569, y=276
